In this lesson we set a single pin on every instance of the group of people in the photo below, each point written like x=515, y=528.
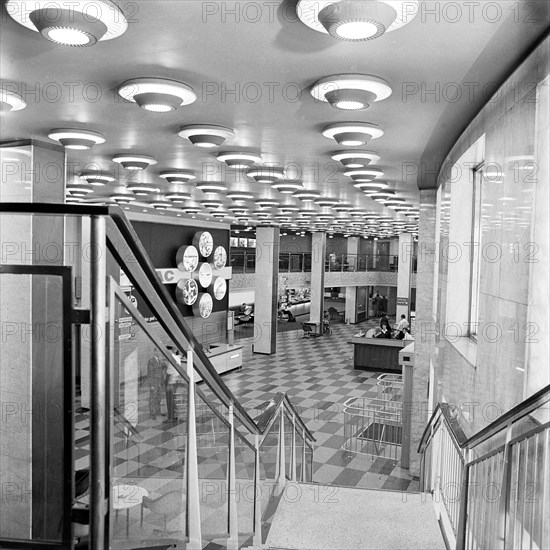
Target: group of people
x=162, y=377
x=401, y=332
x=379, y=304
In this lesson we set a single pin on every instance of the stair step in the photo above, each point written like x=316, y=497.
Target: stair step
x=331, y=518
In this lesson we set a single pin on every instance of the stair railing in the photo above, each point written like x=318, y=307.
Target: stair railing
x=232, y=433
x=495, y=484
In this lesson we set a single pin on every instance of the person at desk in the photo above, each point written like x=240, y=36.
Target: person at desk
x=401, y=327
x=384, y=322
x=385, y=332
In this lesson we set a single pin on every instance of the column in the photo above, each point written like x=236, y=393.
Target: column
x=425, y=357
x=351, y=291
x=318, y=252
x=266, y=290
x=32, y=354
x=404, y=276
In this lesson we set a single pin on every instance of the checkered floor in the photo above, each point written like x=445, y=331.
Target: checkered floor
x=318, y=376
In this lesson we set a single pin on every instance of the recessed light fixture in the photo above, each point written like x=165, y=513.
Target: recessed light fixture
x=266, y=174
x=371, y=186
x=287, y=186
x=206, y=135
x=353, y=134
x=77, y=24
x=98, y=179
x=324, y=201
x=307, y=196
x=79, y=189
x=10, y=101
x=240, y=196
x=288, y=208
x=382, y=196
x=159, y=95
x=191, y=209
x=351, y=92
x=160, y=203
x=220, y=214
x=239, y=159
x=178, y=196
x=73, y=138
x=356, y=20
x=211, y=204
x=134, y=162
x=143, y=189
x=364, y=174
x=238, y=210
x=267, y=203
x=359, y=158
x=342, y=208
x=177, y=176
x=211, y=186
x=123, y=198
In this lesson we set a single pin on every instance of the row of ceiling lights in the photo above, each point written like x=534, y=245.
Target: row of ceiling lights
x=86, y=23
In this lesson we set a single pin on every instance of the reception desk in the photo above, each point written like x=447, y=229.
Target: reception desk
x=378, y=354
x=224, y=357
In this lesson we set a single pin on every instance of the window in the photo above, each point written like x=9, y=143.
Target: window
x=475, y=251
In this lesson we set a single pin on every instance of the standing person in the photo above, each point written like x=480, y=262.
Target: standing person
x=401, y=327
x=384, y=305
x=376, y=304
x=326, y=322
x=172, y=377
x=156, y=379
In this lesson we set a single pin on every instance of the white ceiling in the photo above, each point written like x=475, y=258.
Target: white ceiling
x=270, y=59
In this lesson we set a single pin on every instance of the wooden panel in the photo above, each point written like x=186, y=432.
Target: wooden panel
x=377, y=354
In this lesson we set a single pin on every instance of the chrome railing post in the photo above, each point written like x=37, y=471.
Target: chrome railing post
x=232, y=519
x=303, y=473
x=193, y=493
x=280, y=472
x=257, y=540
x=98, y=491
x=293, y=454
x=504, y=504
x=464, y=495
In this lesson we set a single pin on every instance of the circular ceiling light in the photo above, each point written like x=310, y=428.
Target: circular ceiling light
x=220, y=214
x=382, y=196
x=342, y=208
x=159, y=95
x=371, y=186
x=190, y=209
x=327, y=202
x=206, y=135
x=364, y=174
x=143, y=189
x=288, y=208
x=123, y=198
x=351, y=92
x=240, y=196
x=79, y=189
x=160, y=203
x=308, y=213
x=96, y=178
x=134, y=162
x=356, y=158
x=72, y=138
x=211, y=204
x=267, y=203
x=79, y=24
x=178, y=196
x=239, y=160
x=266, y=174
x=238, y=209
x=10, y=101
x=211, y=186
x=177, y=176
x=287, y=186
x=360, y=20
x=307, y=196
x=353, y=134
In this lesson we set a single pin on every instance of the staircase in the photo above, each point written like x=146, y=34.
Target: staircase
x=320, y=517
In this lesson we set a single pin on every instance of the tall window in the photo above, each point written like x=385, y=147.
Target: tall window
x=475, y=250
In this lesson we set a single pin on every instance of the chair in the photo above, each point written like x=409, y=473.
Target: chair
x=307, y=330
x=168, y=504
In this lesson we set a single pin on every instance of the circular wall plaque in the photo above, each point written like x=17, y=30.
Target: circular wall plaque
x=187, y=258
x=220, y=288
x=220, y=257
x=187, y=291
x=205, y=274
x=203, y=306
x=204, y=242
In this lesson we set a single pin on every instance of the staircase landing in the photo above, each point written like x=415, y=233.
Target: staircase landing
x=318, y=517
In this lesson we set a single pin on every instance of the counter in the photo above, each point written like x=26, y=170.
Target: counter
x=377, y=354
x=224, y=357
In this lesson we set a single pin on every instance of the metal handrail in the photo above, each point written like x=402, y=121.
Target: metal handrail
x=142, y=273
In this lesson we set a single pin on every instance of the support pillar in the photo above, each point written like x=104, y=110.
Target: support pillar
x=266, y=290
x=318, y=253
x=351, y=291
x=425, y=350
x=404, y=276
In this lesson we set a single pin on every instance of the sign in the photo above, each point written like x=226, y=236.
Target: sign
x=402, y=301
x=172, y=275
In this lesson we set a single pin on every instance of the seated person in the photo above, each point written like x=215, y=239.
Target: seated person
x=384, y=333
x=407, y=334
x=284, y=311
x=401, y=327
x=385, y=323
x=247, y=309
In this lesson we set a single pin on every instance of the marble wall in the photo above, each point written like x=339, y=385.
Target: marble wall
x=508, y=360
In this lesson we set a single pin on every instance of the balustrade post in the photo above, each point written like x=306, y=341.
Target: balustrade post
x=233, y=527
x=303, y=473
x=280, y=472
x=293, y=454
x=464, y=495
x=504, y=504
x=193, y=493
x=257, y=540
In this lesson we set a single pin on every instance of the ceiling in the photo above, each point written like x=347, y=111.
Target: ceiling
x=252, y=70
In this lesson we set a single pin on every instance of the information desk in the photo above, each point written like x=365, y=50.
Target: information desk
x=379, y=354
x=224, y=357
